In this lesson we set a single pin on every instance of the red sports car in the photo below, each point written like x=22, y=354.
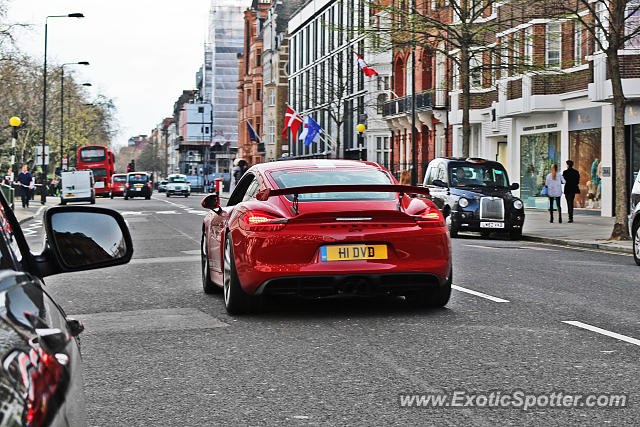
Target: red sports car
x=318, y=228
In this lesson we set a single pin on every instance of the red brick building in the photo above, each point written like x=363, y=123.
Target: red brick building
x=250, y=87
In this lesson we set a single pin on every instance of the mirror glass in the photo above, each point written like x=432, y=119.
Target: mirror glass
x=212, y=201
x=87, y=238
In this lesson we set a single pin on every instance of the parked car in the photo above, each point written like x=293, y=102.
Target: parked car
x=139, y=184
x=634, y=219
x=41, y=369
x=475, y=195
x=77, y=186
x=318, y=228
x=118, y=183
x=162, y=186
x=177, y=185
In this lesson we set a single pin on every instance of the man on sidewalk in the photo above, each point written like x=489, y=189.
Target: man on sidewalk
x=572, y=178
x=25, y=180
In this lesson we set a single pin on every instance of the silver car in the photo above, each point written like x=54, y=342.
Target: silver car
x=634, y=218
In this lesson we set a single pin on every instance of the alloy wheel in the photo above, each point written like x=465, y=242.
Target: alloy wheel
x=636, y=243
x=227, y=271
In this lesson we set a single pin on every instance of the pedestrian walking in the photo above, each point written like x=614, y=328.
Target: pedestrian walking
x=554, y=183
x=25, y=180
x=571, y=188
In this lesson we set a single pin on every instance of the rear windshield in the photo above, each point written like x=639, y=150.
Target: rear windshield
x=90, y=155
x=100, y=172
x=301, y=178
x=120, y=178
x=138, y=178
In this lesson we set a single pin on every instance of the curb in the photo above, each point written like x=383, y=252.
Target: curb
x=576, y=244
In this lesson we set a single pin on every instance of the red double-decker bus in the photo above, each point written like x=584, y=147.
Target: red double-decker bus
x=101, y=161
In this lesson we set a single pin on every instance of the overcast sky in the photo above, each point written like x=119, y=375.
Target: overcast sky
x=143, y=53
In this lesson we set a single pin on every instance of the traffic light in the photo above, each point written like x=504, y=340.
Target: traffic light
x=131, y=167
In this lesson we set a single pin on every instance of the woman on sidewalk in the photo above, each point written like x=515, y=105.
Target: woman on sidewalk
x=554, y=183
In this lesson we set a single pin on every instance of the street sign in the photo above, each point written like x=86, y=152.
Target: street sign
x=38, y=160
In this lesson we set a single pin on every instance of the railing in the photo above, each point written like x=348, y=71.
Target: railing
x=426, y=100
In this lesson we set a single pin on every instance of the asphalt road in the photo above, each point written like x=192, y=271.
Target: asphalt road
x=158, y=351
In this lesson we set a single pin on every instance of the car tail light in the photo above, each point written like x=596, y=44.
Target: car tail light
x=149, y=184
x=127, y=185
x=261, y=221
x=430, y=217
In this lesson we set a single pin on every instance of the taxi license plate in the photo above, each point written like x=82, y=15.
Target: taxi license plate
x=71, y=195
x=137, y=185
x=492, y=225
x=353, y=252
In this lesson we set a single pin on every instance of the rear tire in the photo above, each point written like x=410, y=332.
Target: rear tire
x=485, y=233
x=168, y=195
x=126, y=197
x=636, y=242
x=207, y=285
x=236, y=300
x=515, y=234
x=63, y=202
x=437, y=298
x=147, y=198
x=112, y=195
x=93, y=200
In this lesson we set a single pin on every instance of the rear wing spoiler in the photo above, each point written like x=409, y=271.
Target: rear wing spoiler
x=263, y=195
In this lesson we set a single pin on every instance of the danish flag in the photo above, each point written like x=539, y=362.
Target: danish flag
x=368, y=71
x=292, y=120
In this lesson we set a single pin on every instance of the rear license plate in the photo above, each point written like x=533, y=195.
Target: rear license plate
x=99, y=184
x=492, y=225
x=70, y=195
x=352, y=252
x=137, y=185
x=137, y=189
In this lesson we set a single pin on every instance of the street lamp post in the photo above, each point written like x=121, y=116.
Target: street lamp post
x=62, y=110
x=14, y=122
x=360, y=128
x=44, y=102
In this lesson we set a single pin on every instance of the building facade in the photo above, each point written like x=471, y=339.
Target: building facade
x=250, y=84
x=275, y=59
x=531, y=120
x=325, y=80
x=220, y=78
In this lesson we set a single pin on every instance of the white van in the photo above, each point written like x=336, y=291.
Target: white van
x=77, y=186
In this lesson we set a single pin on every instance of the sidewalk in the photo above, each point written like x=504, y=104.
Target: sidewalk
x=587, y=231
x=34, y=209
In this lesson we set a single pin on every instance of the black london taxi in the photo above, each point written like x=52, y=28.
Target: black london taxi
x=40, y=362
x=139, y=184
x=475, y=195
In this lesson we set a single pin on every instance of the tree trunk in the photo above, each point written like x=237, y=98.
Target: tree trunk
x=466, y=95
x=620, y=228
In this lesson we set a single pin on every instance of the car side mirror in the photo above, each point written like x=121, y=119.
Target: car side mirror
x=212, y=201
x=514, y=186
x=84, y=238
x=439, y=183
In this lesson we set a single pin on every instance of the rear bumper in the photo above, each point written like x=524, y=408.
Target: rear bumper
x=351, y=284
x=470, y=221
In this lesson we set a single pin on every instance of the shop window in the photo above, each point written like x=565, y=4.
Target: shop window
x=585, y=151
x=537, y=153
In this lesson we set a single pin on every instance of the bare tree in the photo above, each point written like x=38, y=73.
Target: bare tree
x=612, y=25
x=463, y=31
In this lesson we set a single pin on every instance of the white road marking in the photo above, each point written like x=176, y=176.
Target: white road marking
x=603, y=331
x=167, y=213
x=478, y=294
x=165, y=260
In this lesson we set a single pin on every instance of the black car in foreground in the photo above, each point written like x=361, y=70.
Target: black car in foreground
x=41, y=370
x=475, y=195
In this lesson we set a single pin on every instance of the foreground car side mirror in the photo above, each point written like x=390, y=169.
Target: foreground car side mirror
x=212, y=201
x=439, y=183
x=84, y=238
x=514, y=186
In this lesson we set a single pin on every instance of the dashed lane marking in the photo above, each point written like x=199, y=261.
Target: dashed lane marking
x=478, y=294
x=603, y=331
